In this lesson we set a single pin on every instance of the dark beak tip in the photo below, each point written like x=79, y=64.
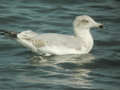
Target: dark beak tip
x=101, y=26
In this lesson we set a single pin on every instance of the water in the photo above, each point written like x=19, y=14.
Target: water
x=21, y=69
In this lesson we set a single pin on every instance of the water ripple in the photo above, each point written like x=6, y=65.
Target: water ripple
x=22, y=69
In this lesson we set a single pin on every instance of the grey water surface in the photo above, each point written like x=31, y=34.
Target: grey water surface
x=20, y=69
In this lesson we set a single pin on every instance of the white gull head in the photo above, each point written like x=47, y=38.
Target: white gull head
x=85, y=22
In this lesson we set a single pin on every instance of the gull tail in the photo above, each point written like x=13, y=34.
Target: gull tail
x=10, y=34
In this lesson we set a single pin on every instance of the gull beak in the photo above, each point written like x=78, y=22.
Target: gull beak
x=100, y=25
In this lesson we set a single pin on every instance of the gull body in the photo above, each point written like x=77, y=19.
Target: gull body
x=54, y=44
x=80, y=42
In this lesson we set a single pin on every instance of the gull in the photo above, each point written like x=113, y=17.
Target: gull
x=81, y=42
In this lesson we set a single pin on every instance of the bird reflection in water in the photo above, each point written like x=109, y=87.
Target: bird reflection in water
x=78, y=59
x=65, y=70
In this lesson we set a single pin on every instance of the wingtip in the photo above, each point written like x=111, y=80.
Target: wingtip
x=8, y=33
